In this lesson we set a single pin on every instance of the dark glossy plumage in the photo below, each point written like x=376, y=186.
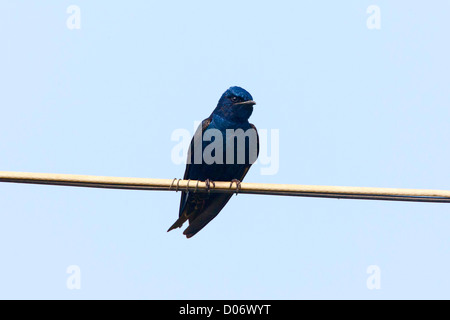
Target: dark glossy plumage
x=230, y=116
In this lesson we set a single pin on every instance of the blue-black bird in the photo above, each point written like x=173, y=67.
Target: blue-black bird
x=223, y=148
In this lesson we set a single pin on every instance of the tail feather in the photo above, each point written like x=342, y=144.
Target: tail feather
x=178, y=223
x=209, y=212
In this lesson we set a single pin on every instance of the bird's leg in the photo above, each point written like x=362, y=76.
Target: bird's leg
x=208, y=185
x=238, y=185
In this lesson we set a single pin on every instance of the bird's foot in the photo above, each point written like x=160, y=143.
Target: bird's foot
x=177, y=185
x=238, y=185
x=208, y=185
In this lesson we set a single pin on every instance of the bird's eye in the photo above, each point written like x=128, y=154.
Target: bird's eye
x=234, y=99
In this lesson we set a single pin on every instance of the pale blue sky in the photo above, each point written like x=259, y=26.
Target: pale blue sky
x=354, y=107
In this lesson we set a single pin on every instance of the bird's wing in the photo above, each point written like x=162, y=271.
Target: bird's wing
x=214, y=203
x=196, y=139
x=257, y=140
x=210, y=209
x=201, y=208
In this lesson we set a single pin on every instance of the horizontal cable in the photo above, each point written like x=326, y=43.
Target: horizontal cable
x=365, y=193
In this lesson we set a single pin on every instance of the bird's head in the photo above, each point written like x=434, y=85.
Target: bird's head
x=236, y=105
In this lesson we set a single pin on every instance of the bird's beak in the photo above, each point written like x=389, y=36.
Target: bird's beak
x=249, y=102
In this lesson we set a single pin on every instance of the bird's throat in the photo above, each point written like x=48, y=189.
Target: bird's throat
x=223, y=123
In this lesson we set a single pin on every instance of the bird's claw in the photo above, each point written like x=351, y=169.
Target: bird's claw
x=177, y=185
x=208, y=185
x=238, y=185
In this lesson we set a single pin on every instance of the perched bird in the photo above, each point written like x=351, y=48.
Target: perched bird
x=223, y=148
